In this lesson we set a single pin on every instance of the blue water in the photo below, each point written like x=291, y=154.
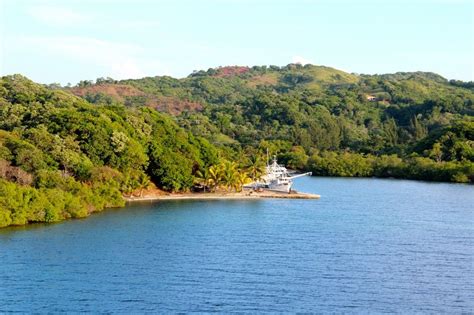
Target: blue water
x=366, y=245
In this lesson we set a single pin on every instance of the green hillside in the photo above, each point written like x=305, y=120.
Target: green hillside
x=62, y=157
x=66, y=152
x=318, y=108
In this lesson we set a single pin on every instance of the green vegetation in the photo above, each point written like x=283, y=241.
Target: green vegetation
x=62, y=157
x=358, y=165
x=304, y=112
x=67, y=156
x=231, y=175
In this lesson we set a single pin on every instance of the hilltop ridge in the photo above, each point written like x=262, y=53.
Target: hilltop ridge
x=175, y=96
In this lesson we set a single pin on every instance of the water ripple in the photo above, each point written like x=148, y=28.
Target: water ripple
x=367, y=246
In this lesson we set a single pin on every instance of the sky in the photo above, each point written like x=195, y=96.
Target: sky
x=68, y=41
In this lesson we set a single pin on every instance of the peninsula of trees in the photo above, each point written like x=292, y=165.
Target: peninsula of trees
x=66, y=152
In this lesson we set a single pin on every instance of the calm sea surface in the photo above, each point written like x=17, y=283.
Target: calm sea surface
x=366, y=245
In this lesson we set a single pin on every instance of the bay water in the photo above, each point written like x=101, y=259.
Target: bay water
x=375, y=245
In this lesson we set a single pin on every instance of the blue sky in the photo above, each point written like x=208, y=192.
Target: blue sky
x=68, y=41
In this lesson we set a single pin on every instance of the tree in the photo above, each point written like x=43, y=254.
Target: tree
x=419, y=131
x=391, y=132
x=255, y=167
x=143, y=182
x=242, y=179
x=436, y=152
x=129, y=184
x=296, y=158
x=229, y=175
x=204, y=178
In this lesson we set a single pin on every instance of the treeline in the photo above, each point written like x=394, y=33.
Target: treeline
x=22, y=204
x=389, y=166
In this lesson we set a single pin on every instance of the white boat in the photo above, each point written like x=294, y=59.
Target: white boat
x=276, y=178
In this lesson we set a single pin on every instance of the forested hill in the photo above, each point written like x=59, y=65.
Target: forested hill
x=310, y=108
x=62, y=157
x=70, y=151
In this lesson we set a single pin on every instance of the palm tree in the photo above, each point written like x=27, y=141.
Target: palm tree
x=229, y=174
x=128, y=185
x=255, y=167
x=204, y=178
x=215, y=176
x=241, y=179
x=143, y=182
x=242, y=158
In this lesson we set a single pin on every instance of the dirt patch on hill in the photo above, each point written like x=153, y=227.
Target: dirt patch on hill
x=224, y=72
x=125, y=93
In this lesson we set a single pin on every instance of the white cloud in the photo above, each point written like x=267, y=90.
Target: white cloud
x=301, y=60
x=120, y=60
x=57, y=16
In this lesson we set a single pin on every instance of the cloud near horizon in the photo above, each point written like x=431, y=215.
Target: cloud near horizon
x=301, y=60
x=120, y=60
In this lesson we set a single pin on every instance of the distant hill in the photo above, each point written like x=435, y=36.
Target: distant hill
x=316, y=107
x=177, y=95
x=224, y=84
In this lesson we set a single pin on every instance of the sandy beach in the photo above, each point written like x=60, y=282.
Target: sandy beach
x=152, y=196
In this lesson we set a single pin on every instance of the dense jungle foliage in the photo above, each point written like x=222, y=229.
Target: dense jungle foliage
x=64, y=156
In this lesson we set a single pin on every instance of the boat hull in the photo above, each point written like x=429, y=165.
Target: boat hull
x=281, y=187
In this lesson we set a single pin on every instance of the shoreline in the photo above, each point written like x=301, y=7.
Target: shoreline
x=245, y=195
